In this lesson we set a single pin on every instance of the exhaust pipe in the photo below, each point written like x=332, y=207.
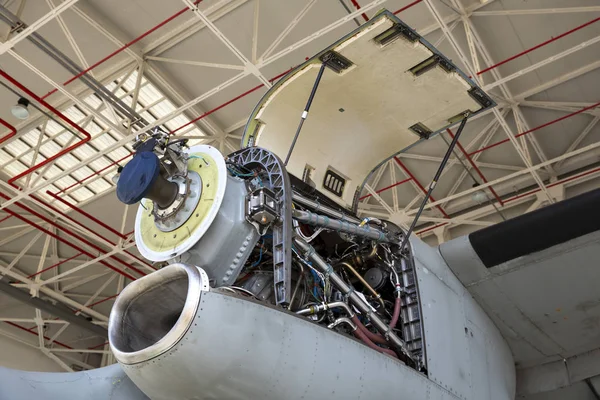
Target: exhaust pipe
x=153, y=313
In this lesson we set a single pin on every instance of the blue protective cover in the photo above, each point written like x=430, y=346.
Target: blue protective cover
x=137, y=177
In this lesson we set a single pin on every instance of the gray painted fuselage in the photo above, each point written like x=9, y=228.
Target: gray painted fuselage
x=241, y=349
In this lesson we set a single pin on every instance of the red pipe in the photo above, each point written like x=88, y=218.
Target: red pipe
x=362, y=336
x=54, y=265
x=56, y=210
x=475, y=167
x=13, y=131
x=206, y=114
x=60, y=239
x=407, y=6
x=386, y=188
x=562, y=181
x=98, y=345
x=535, y=129
x=419, y=185
x=432, y=228
x=539, y=46
x=86, y=139
x=36, y=334
x=94, y=174
x=79, y=210
x=357, y=6
x=375, y=337
x=127, y=45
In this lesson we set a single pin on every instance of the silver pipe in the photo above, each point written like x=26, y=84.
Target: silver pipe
x=342, y=320
x=340, y=225
x=355, y=299
x=298, y=198
x=297, y=285
x=326, y=306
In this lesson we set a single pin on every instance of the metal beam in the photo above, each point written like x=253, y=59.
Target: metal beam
x=63, y=313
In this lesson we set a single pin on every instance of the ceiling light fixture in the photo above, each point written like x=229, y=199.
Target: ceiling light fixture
x=478, y=196
x=20, y=109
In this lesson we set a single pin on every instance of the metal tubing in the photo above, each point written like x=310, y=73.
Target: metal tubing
x=298, y=282
x=506, y=140
x=57, y=237
x=298, y=198
x=87, y=136
x=63, y=313
x=305, y=112
x=385, y=188
x=36, y=334
x=536, y=128
x=326, y=306
x=59, y=212
x=339, y=225
x=357, y=6
x=362, y=280
x=555, y=38
x=13, y=131
x=54, y=265
x=401, y=164
x=342, y=320
x=434, y=181
x=354, y=298
x=246, y=93
x=406, y=7
x=127, y=45
x=206, y=114
x=475, y=167
x=80, y=211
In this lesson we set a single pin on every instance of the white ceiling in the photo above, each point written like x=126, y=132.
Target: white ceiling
x=169, y=57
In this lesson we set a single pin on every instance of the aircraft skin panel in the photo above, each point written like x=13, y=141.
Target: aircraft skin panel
x=241, y=349
x=455, y=329
x=544, y=300
x=98, y=384
x=363, y=114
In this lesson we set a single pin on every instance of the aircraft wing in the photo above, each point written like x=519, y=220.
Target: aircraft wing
x=537, y=276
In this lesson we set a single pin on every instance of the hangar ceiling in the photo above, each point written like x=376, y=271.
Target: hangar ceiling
x=196, y=69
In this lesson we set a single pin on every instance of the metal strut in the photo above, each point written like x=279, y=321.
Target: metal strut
x=305, y=112
x=434, y=181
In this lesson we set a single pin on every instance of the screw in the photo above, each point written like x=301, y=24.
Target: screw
x=174, y=236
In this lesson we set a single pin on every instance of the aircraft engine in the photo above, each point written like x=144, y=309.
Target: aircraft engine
x=192, y=210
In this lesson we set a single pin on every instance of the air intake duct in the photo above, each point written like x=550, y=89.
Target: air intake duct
x=153, y=313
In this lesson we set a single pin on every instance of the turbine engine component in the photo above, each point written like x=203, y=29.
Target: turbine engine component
x=187, y=195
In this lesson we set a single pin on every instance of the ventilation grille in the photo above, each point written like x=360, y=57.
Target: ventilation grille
x=334, y=183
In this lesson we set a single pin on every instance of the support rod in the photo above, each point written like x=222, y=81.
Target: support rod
x=354, y=298
x=305, y=112
x=434, y=181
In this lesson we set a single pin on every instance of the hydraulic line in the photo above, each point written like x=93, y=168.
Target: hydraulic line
x=320, y=264
x=350, y=268
x=339, y=225
x=434, y=181
x=316, y=206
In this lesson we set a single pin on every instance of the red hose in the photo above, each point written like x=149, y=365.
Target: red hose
x=362, y=336
x=396, y=314
x=375, y=337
